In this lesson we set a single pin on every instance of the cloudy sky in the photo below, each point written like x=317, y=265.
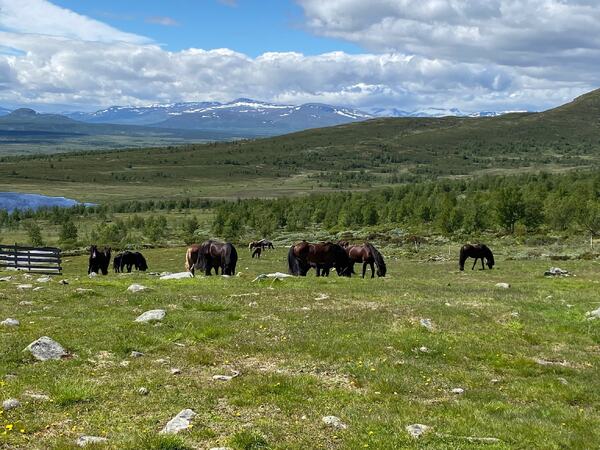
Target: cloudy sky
x=407, y=54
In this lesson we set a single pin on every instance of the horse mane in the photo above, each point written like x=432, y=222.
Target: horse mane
x=382, y=269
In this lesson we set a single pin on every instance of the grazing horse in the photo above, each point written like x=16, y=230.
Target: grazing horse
x=322, y=256
x=368, y=255
x=256, y=253
x=212, y=254
x=477, y=251
x=130, y=259
x=99, y=260
x=262, y=244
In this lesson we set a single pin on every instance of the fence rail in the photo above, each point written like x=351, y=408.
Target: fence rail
x=32, y=259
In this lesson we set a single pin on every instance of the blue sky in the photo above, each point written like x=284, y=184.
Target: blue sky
x=248, y=26
x=374, y=55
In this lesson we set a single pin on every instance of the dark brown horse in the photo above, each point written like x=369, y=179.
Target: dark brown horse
x=212, y=255
x=262, y=244
x=128, y=260
x=99, y=260
x=477, y=251
x=322, y=256
x=366, y=254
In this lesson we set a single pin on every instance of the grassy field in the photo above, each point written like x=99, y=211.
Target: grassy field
x=526, y=357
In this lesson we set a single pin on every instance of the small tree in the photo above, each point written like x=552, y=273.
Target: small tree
x=68, y=231
x=510, y=207
x=34, y=234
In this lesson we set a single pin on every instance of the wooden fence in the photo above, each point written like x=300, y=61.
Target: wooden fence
x=40, y=260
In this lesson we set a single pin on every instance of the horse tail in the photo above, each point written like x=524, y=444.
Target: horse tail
x=462, y=257
x=293, y=262
x=230, y=259
x=381, y=267
x=189, y=263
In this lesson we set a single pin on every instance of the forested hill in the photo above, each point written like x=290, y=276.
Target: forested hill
x=359, y=155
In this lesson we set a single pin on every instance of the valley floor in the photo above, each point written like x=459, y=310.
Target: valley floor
x=526, y=357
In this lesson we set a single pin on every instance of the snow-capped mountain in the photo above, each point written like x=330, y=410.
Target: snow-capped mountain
x=244, y=115
x=436, y=112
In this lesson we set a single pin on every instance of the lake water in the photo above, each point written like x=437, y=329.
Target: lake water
x=16, y=200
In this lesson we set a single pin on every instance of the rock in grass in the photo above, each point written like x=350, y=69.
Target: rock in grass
x=36, y=396
x=82, y=441
x=43, y=280
x=46, y=348
x=426, y=323
x=180, y=422
x=334, y=422
x=136, y=288
x=592, y=315
x=226, y=377
x=502, y=285
x=152, y=315
x=176, y=276
x=136, y=354
x=11, y=403
x=10, y=322
x=416, y=430
x=24, y=286
x=143, y=391
x=458, y=391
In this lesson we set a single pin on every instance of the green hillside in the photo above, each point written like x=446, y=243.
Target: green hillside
x=357, y=156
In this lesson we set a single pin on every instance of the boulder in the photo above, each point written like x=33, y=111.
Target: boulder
x=180, y=422
x=11, y=403
x=416, y=430
x=136, y=288
x=10, y=322
x=152, y=315
x=334, y=422
x=177, y=276
x=503, y=285
x=46, y=348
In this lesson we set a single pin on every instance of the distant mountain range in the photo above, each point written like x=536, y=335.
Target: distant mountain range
x=436, y=112
x=242, y=116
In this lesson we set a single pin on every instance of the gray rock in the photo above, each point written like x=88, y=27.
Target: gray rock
x=426, y=323
x=136, y=288
x=46, y=348
x=143, y=391
x=226, y=377
x=175, y=371
x=423, y=349
x=25, y=303
x=24, y=286
x=176, y=276
x=458, y=391
x=8, y=278
x=592, y=315
x=334, y=422
x=82, y=441
x=417, y=429
x=556, y=272
x=92, y=275
x=43, y=280
x=179, y=423
x=136, y=354
x=502, y=285
x=10, y=322
x=152, y=315
x=11, y=403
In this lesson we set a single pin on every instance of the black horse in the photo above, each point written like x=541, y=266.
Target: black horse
x=99, y=260
x=322, y=256
x=262, y=244
x=477, y=251
x=212, y=255
x=129, y=260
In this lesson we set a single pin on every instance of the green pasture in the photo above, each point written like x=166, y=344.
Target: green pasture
x=526, y=357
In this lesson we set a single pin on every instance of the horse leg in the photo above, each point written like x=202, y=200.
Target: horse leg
x=364, y=269
x=129, y=268
x=372, y=269
x=474, y=262
x=318, y=269
x=482, y=266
